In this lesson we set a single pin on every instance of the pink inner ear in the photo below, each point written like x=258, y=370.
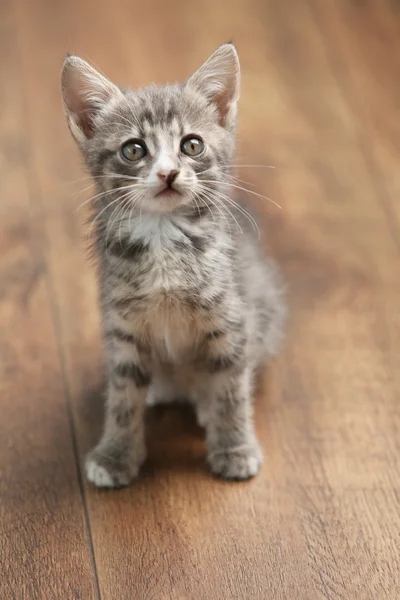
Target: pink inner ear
x=222, y=101
x=219, y=79
x=82, y=110
x=85, y=121
x=84, y=92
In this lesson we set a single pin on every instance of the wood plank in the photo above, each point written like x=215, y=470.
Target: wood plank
x=327, y=414
x=362, y=46
x=44, y=545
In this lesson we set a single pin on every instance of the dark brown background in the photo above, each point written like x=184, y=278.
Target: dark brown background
x=321, y=102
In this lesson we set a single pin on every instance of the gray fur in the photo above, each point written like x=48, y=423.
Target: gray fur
x=191, y=307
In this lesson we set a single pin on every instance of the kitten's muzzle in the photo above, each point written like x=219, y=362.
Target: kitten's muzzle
x=168, y=179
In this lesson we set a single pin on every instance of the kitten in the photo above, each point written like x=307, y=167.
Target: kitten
x=191, y=309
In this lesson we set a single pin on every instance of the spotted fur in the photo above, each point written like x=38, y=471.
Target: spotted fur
x=191, y=307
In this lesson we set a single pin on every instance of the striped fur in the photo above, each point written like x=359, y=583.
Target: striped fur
x=191, y=307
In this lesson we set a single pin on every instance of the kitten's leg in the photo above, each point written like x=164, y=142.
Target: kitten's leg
x=233, y=449
x=202, y=413
x=121, y=451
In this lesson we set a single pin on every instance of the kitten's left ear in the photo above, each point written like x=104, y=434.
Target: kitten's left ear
x=219, y=80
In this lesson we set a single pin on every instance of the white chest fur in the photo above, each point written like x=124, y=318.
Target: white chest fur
x=161, y=234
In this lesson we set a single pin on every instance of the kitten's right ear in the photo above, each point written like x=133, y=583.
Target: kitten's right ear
x=85, y=92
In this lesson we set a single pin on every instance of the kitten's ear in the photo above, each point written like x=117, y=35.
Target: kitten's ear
x=85, y=92
x=219, y=80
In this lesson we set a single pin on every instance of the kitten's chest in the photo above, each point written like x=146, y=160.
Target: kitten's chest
x=168, y=251
x=165, y=288
x=171, y=255
x=171, y=327
x=162, y=274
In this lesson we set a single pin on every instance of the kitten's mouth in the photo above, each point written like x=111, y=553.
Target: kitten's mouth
x=168, y=192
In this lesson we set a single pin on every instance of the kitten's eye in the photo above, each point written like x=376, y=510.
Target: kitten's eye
x=134, y=150
x=192, y=146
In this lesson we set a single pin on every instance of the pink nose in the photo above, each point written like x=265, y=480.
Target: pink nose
x=168, y=177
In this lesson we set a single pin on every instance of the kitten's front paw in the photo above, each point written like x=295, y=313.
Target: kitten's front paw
x=111, y=467
x=236, y=463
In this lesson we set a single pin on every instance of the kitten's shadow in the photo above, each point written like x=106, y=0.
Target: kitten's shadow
x=175, y=442
x=174, y=439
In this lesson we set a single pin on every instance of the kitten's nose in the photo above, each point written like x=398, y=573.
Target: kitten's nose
x=168, y=177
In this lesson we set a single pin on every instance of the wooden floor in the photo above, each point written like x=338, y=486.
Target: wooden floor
x=320, y=102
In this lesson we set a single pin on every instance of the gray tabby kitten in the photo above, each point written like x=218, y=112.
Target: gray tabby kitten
x=190, y=308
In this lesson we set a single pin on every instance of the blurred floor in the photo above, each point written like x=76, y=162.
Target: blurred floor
x=320, y=102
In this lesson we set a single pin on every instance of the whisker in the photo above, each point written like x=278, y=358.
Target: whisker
x=236, y=179
x=239, y=187
x=140, y=212
x=94, y=198
x=205, y=171
x=112, y=220
x=214, y=201
x=120, y=176
x=128, y=198
x=242, y=210
x=134, y=202
x=221, y=209
x=192, y=196
x=99, y=214
x=252, y=166
x=105, y=176
x=124, y=199
x=121, y=219
x=80, y=192
x=220, y=203
x=102, y=211
x=226, y=175
x=102, y=194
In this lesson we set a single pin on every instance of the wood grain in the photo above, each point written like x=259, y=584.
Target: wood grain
x=363, y=40
x=322, y=519
x=44, y=541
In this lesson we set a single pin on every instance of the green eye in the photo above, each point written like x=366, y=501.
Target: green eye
x=192, y=146
x=134, y=150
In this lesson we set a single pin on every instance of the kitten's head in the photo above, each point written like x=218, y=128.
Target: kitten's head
x=168, y=147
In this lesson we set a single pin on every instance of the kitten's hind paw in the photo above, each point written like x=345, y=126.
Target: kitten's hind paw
x=108, y=468
x=238, y=463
